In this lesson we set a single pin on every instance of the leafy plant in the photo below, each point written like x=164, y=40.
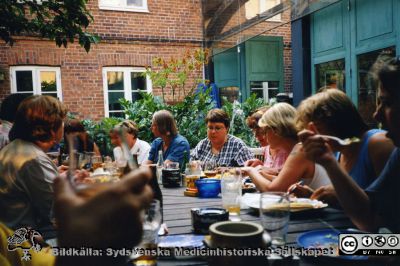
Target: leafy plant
x=98, y=131
x=238, y=112
x=60, y=21
x=175, y=72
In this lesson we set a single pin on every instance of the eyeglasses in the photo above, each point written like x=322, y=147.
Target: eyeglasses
x=217, y=129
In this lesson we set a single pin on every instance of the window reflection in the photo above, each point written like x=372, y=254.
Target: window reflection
x=331, y=75
x=366, y=85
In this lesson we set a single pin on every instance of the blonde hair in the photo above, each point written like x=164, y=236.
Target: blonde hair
x=281, y=119
x=333, y=109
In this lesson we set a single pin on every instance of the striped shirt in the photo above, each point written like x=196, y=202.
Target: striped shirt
x=233, y=153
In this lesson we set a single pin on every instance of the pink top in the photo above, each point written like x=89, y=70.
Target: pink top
x=277, y=161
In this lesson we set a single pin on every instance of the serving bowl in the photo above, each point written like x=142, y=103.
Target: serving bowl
x=208, y=187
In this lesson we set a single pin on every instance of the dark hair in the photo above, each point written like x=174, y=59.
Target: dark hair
x=218, y=116
x=386, y=71
x=129, y=126
x=37, y=118
x=333, y=109
x=252, y=119
x=165, y=122
x=73, y=125
x=9, y=106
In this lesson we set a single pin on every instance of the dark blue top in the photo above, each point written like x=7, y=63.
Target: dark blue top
x=175, y=151
x=384, y=193
x=363, y=171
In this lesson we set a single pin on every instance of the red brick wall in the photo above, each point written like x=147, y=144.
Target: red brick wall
x=128, y=39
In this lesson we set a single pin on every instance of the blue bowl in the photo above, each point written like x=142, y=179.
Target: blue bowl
x=208, y=187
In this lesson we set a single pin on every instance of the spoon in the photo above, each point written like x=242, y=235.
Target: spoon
x=342, y=142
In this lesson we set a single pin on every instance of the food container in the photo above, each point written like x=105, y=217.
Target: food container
x=202, y=218
x=208, y=187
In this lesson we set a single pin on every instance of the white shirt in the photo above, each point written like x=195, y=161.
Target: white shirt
x=141, y=148
x=5, y=128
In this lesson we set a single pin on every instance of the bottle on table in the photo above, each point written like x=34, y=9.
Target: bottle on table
x=160, y=164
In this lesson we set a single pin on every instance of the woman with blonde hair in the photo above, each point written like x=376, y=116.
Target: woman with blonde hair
x=279, y=122
x=273, y=158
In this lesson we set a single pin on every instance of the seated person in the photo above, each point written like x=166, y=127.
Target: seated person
x=273, y=159
x=85, y=222
x=84, y=142
x=279, y=122
x=136, y=145
x=331, y=112
x=220, y=147
x=172, y=145
x=379, y=205
x=8, y=110
x=26, y=172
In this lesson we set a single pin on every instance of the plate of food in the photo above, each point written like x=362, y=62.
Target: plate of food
x=296, y=204
x=326, y=239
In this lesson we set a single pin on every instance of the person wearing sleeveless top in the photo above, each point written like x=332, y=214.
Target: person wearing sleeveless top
x=279, y=122
x=331, y=112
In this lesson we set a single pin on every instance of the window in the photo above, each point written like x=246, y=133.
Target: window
x=331, y=75
x=123, y=82
x=268, y=4
x=124, y=5
x=32, y=80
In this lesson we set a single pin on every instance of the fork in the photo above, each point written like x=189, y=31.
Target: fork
x=342, y=142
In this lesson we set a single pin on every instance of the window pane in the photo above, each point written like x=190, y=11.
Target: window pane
x=51, y=94
x=230, y=93
x=331, y=75
x=366, y=85
x=117, y=114
x=138, y=81
x=115, y=80
x=136, y=96
x=138, y=3
x=24, y=80
x=48, y=81
x=113, y=103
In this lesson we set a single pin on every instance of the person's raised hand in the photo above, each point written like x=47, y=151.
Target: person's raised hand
x=316, y=147
x=103, y=215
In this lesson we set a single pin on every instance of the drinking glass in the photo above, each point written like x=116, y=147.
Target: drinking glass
x=231, y=191
x=210, y=168
x=275, y=215
x=97, y=162
x=151, y=225
x=171, y=175
x=109, y=165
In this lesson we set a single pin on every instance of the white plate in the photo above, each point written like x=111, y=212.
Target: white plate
x=253, y=201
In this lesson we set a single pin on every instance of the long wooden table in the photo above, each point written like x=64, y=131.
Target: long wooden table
x=178, y=219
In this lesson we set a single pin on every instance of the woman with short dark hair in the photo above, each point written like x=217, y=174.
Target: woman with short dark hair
x=219, y=147
x=26, y=172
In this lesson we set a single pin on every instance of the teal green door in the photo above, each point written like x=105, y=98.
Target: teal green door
x=264, y=61
x=346, y=38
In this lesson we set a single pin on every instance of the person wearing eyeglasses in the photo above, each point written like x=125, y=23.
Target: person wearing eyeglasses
x=220, y=147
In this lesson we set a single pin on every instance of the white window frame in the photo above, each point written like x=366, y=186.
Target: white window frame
x=121, y=5
x=37, y=90
x=263, y=8
x=127, y=84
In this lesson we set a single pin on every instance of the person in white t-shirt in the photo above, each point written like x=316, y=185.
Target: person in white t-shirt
x=136, y=145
